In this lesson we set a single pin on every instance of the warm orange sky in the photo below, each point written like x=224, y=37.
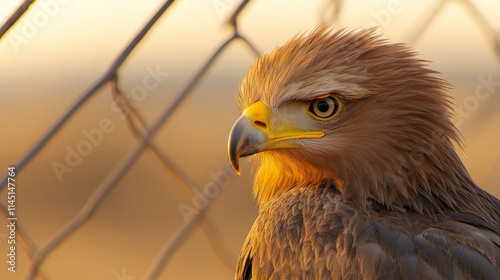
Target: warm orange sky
x=57, y=51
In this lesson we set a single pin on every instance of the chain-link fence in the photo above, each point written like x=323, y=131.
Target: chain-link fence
x=112, y=188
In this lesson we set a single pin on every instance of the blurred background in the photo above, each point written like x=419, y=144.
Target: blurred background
x=59, y=49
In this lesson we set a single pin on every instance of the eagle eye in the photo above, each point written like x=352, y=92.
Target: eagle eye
x=324, y=108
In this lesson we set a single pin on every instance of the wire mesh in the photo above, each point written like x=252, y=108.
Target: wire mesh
x=145, y=133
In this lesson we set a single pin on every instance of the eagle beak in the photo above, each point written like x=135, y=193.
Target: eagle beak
x=252, y=133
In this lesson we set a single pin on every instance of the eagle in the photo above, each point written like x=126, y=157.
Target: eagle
x=356, y=172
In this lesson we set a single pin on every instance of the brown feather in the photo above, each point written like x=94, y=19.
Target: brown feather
x=384, y=194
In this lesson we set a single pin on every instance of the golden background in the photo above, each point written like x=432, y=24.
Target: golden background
x=59, y=49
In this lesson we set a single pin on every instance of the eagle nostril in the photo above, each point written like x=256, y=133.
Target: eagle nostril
x=260, y=124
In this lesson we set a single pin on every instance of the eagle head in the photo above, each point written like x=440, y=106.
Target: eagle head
x=352, y=110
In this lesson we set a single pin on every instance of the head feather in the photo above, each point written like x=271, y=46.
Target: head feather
x=392, y=143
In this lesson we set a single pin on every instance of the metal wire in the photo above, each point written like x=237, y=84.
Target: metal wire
x=18, y=13
x=110, y=74
x=145, y=134
x=127, y=162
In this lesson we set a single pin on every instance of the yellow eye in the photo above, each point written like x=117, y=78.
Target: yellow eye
x=324, y=108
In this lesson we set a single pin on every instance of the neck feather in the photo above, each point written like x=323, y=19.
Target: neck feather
x=433, y=183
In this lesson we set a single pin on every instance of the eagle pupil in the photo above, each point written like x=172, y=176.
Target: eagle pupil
x=323, y=106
